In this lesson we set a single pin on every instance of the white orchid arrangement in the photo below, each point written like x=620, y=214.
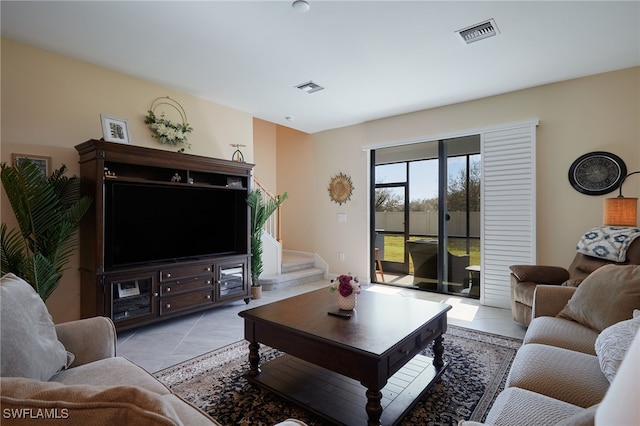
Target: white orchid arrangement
x=167, y=132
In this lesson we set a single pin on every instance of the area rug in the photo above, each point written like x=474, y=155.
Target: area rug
x=478, y=366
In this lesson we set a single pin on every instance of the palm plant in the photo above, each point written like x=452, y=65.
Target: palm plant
x=48, y=211
x=261, y=210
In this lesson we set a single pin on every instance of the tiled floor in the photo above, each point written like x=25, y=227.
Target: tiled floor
x=162, y=345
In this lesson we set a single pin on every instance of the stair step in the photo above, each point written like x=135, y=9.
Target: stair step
x=293, y=261
x=291, y=279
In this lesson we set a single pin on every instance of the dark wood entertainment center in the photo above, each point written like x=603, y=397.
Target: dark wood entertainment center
x=136, y=292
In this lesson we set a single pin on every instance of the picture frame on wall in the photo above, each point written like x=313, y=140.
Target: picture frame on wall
x=43, y=162
x=115, y=129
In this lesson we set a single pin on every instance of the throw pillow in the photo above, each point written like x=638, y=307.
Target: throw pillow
x=29, y=346
x=607, y=296
x=614, y=342
x=53, y=403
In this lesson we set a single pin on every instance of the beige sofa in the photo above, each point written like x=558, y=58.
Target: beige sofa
x=69, y=373
x=572, y=356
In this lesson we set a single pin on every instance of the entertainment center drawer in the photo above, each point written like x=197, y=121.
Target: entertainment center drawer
x=185, y=271
x=186, y=284
x=170, y=305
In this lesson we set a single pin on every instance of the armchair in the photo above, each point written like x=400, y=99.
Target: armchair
x=525, y=278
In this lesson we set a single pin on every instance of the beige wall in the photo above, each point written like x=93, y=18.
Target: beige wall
x=51, y=103
x=264, y=153
x=600, y=112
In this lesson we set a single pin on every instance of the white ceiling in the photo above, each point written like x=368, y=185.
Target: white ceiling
x=375, y=58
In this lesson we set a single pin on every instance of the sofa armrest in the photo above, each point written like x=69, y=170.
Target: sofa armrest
x=88, y=339
x=540, y=274
x=549, y=300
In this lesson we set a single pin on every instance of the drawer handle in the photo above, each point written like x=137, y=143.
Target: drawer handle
x=155, y=294
x=208, y=281
x=404, y=352
x=168, y=305
x=208, y=269
x=208, y=296
x=168, y=289
x=168, y=275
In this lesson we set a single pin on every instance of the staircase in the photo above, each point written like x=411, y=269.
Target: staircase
x=297, y=268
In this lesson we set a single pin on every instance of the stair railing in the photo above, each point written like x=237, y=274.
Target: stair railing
x=273, y=225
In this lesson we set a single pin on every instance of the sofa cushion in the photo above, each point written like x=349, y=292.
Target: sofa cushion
x=614, y=342
x=562, y=333
x=569, y=376
x=29, y=346
x=116, y=371
x=607, y=296
x=521, y=407
x=586, y=417
x=52, y=403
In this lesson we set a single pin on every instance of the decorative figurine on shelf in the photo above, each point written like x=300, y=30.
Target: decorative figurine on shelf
x=176, y=178
x=109, y=174
x=237, y=154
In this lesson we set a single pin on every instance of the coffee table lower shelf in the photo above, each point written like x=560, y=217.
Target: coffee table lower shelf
x=340, y=399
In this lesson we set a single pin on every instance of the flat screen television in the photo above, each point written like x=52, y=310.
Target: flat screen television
x=147, y=223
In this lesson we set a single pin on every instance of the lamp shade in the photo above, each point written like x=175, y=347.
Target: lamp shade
x=620, y=211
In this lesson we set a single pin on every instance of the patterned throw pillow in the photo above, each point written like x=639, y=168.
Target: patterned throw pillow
x=614, y=342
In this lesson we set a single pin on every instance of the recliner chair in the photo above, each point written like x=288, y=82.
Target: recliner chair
x=525, y=278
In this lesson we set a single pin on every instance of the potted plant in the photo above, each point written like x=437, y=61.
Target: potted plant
x=261, y=210
x=48, y=211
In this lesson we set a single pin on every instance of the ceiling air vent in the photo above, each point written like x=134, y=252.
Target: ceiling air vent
x=479, y=31
x=309, y=87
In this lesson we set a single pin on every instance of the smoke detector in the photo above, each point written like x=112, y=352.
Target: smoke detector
x=479, y=31
x=309, y=87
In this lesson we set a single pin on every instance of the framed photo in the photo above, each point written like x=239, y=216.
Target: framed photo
x=115, y=129
x=43, y=162
x=129, y=288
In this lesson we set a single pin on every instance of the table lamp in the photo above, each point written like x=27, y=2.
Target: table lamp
x=621, y=211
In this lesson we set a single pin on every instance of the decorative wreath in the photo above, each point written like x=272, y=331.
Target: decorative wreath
x=340, y=188
x=164, y=130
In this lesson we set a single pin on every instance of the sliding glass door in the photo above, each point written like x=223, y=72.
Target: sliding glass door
x=427, y=215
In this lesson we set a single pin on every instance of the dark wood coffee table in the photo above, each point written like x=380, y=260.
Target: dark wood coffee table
x=366, y=369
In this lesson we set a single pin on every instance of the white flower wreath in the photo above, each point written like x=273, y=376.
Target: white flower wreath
x=164, y=130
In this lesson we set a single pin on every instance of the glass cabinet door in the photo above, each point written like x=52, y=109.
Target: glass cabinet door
x=232, y=278
x=131, y=298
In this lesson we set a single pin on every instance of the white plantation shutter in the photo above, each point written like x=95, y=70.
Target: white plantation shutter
x=508, y=210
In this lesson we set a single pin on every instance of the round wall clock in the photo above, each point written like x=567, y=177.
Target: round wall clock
x=340, y=188
x=597, y=173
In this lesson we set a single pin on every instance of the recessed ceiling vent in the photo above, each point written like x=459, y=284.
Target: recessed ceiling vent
x=479, y=31
x=310, y=87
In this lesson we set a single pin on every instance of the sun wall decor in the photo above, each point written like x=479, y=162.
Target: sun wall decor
x=340, y=188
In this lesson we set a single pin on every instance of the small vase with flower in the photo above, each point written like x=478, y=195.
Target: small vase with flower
x=348, y=287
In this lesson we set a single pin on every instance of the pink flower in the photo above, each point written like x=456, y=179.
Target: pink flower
x=346, y=285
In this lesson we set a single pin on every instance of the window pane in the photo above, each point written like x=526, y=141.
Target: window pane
x=391, y=173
